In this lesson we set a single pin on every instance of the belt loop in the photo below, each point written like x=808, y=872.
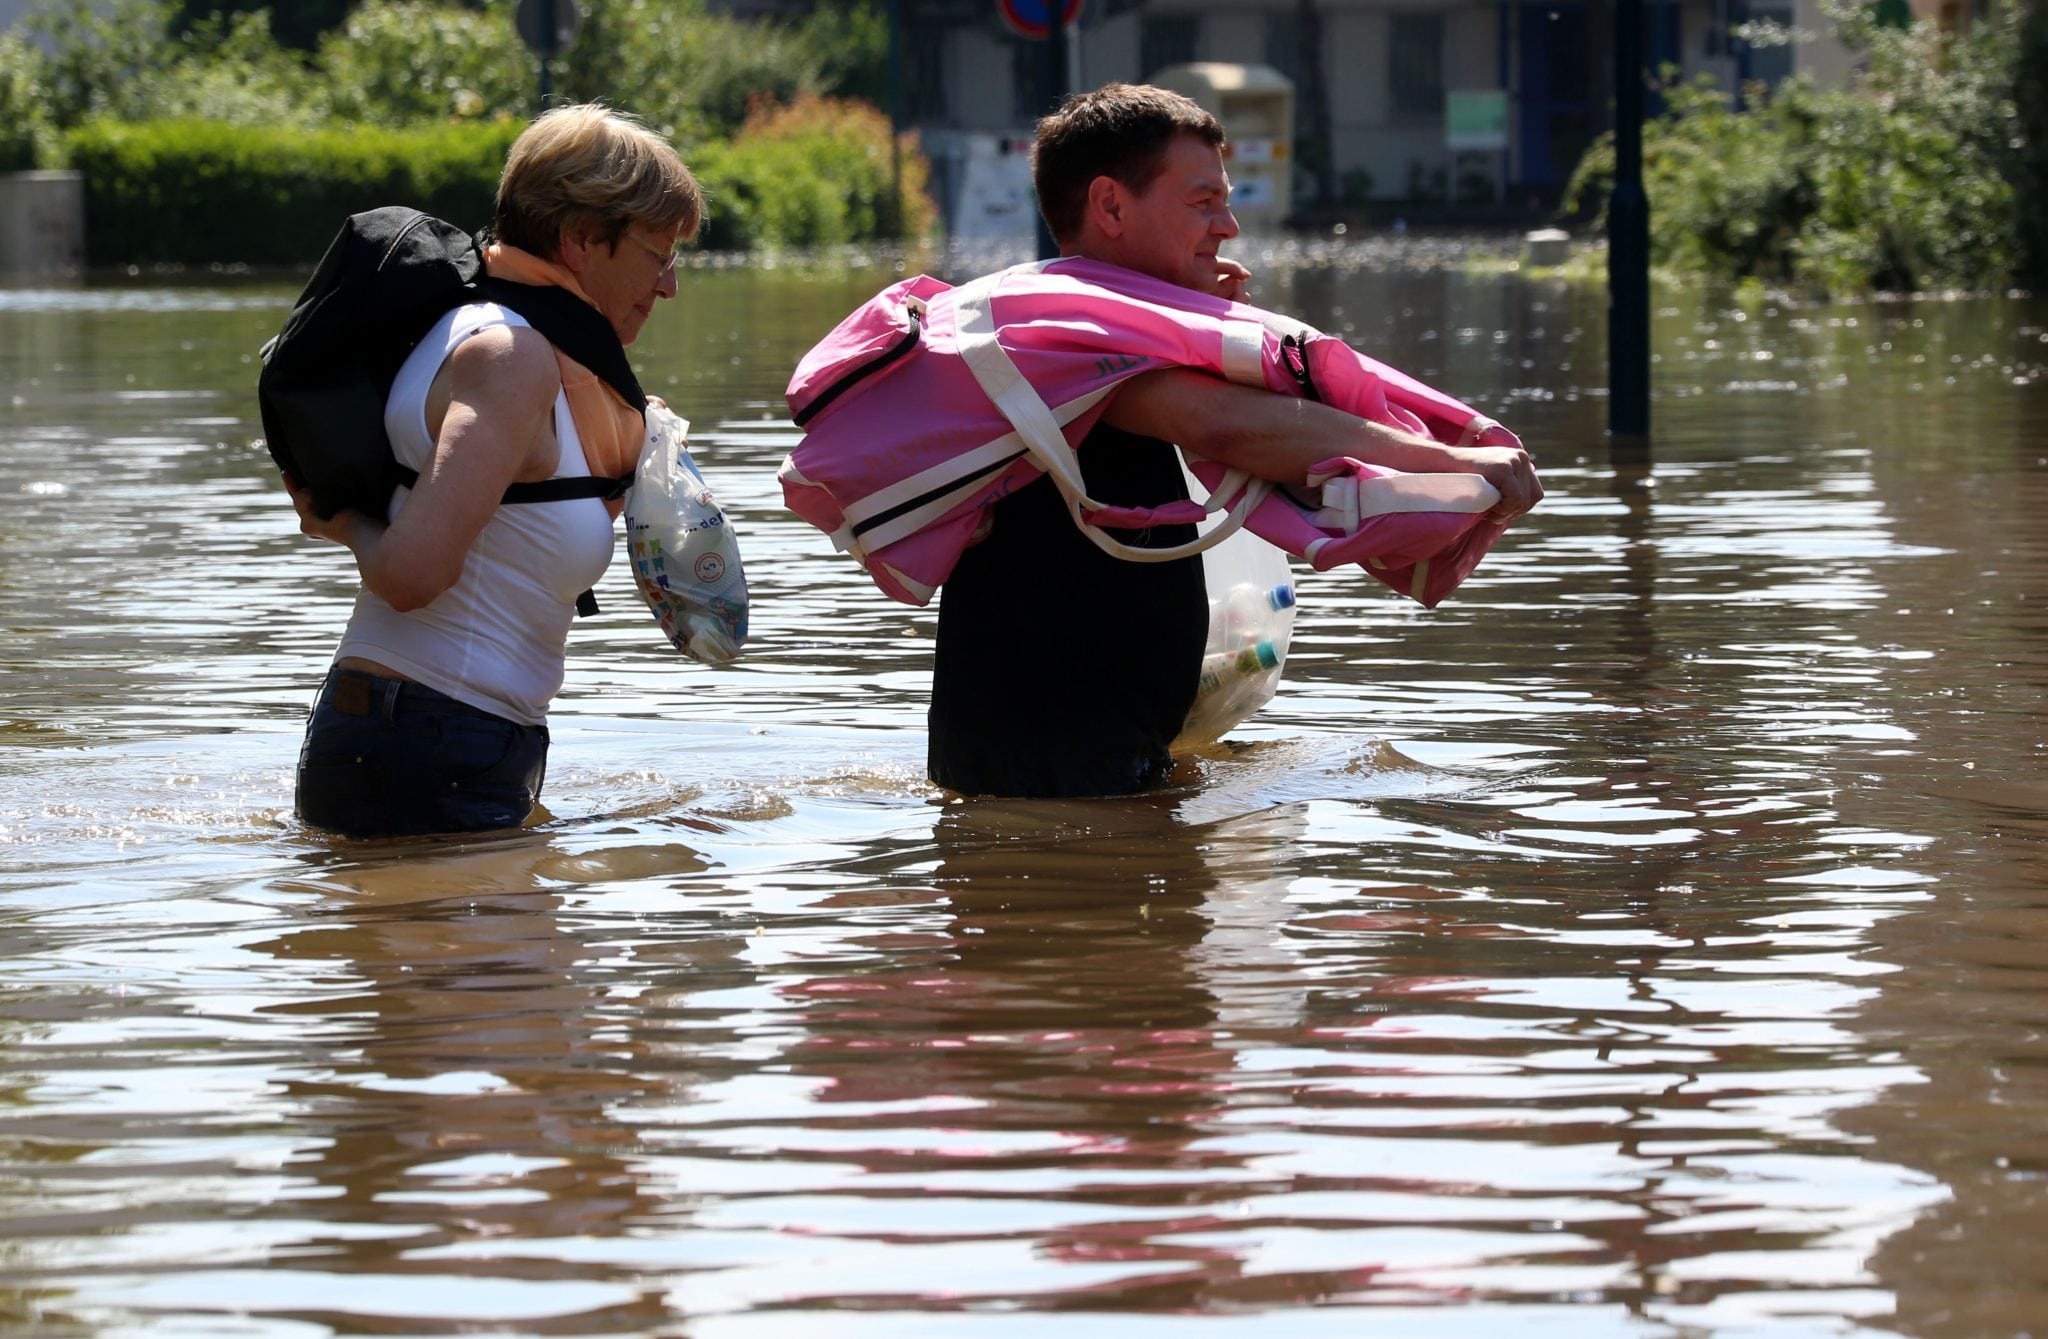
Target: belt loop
x=391, y=688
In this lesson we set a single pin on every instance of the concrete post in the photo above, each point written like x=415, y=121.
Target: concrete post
x=42, y=225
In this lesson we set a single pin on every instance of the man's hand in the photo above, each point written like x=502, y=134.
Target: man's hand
x=1231, y=279
x=1280, y=438
x=1508, y=469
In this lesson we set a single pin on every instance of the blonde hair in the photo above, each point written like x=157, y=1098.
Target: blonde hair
x=586, y=169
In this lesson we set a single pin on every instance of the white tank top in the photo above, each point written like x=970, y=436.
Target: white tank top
x=496, y=639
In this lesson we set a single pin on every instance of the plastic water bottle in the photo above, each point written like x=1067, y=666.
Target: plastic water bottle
x=1221, y=668
x=1246, y=614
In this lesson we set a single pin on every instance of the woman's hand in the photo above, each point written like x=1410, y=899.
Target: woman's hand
x=335, y=529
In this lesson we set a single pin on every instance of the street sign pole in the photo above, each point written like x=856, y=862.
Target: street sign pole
x=1052, y=73
x=547, y=55
x=1628, y=238
x=1046, y=21
x=896, y=116
x=547, y=27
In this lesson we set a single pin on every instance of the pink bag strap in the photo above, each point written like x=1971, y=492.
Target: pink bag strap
x=1236, y=494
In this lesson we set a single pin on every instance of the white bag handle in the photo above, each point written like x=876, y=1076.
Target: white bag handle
x=975, y=330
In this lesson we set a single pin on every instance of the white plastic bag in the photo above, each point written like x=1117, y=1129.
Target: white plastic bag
x=1251, y=617
x=686, y=561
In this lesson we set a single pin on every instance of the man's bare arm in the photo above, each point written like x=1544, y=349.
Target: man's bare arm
x=1278, y=437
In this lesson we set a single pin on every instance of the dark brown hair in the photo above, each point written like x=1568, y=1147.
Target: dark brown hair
x=587, y=168
x=1120, y=131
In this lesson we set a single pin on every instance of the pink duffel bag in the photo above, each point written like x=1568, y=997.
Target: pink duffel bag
x=930, y=403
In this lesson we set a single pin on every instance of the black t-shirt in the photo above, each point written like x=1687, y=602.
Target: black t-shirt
x=1062, y=670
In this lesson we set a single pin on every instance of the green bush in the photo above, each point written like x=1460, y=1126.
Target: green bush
x=404, y=62
x=687, y=70
x=206, y=141
x=817, y=172
x=195, y=192
x=24, y=126
x=199, y=191
x=850, y=39
x=1909, y=178
x=297, y=24
x=124, y=64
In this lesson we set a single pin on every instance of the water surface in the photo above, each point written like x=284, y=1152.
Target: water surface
x=1647, y=941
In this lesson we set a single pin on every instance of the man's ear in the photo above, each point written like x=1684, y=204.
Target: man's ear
x=1106, y=206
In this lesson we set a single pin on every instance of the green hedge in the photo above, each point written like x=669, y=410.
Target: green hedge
x=198, y=192
x=816, y=173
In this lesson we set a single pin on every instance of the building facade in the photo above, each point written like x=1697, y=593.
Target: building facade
x=1399, y=81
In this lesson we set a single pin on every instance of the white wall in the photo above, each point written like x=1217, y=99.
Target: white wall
x=1826, y=60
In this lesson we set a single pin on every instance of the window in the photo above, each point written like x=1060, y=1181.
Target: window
x=1283, y=45
x=1415, y=64
x=924, y=77
x=1723, y=18
x=1769, y=39
x=1028, y=79
x=1165, y=39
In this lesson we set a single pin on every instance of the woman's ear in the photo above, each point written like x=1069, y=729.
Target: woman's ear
x=574, y=251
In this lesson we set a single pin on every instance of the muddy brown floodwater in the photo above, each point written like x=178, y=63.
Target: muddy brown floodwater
x=1652, y=940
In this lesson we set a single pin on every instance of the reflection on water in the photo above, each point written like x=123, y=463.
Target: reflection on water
x=1648, y=940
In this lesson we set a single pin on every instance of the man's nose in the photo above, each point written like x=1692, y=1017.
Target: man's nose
x=1226, y=223
x=665, y=287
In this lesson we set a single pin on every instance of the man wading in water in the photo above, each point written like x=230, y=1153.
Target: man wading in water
x=1063, y=671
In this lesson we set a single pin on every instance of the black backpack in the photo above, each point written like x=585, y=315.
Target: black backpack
x=386, y=278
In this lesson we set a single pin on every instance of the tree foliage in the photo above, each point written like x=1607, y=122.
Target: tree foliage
x=699, y=75
x=1913, y=176
x=818, y=170
x=24, y=125
x=298, y=24
x=411, y=62
x=688, y=69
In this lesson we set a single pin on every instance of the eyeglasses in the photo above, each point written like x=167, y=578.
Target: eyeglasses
x=666, y=255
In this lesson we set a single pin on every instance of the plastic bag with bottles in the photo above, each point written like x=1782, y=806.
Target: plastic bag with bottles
x=1251, y=617
x=686, y=561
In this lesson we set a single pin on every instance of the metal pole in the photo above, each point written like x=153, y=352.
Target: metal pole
x=896, y=114
x=1628, y=238
x=547, y=51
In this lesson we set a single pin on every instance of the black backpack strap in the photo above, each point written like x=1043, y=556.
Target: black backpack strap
x=571, y=325
x=582, y=332
x=548, y=490
x=561, y=490
x=553, y=490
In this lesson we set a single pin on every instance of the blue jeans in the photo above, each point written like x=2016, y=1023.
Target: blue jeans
x=388, y=757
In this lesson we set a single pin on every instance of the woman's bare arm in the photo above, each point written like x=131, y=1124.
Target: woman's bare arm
x=497, y=428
